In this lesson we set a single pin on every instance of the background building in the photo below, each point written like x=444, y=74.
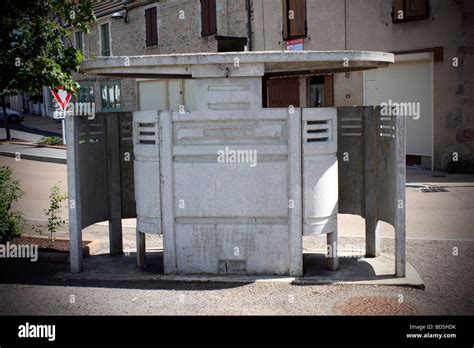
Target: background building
x=154, y=27
x=432, y=39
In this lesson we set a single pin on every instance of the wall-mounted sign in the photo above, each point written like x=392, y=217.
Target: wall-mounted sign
x=295, y=45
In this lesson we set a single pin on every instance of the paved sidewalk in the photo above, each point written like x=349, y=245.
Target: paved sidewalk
x=32, y=129
x=22, y=135
x=32, y=289
x=36, y=125
x=438, y=222
x=45, y=124
x=43, y=154
x=418, y=177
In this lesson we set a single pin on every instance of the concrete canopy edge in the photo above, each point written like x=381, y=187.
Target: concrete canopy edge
x=176, y=65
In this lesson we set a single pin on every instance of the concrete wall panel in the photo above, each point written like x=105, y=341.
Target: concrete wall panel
x=126, y=165
x=230, y=218
x=351, y=159
x=320, y=172
x=229, y=248
x=232, y=190
x=93, y=172
x=368, y=162
x=147, y=169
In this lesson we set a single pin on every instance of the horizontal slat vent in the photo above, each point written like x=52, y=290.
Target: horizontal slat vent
x=387, y=127
x=351, y=126
x=146, y=133
x=317, y=131
x=90, y=133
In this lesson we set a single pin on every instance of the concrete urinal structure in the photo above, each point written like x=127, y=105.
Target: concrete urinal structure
x=278, y=181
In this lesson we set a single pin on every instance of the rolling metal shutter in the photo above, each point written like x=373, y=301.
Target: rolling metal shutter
x=406, y=82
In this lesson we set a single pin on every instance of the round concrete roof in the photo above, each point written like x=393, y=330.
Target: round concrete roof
x=254, y=63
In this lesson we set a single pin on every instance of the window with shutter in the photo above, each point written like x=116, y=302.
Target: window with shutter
x=321, y=91
x=151, y=27
x=283, y=92
x=294, y=19
x=328, y=90
x=105, y=40
x=410, y=10
x=78, y=39
x=110, y=96
x=416, y=8
x=208, y=17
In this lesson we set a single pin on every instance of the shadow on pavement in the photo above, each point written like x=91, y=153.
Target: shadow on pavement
x=22, y=128
x=42, y=273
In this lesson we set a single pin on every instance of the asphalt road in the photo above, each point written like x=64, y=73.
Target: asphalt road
x=448, y=279
x=437, y=224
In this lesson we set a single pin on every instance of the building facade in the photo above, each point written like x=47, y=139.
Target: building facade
x=434, y=69
x=154, y=27
x=432, y=39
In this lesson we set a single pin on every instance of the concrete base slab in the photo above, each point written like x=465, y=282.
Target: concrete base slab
x=118, y=267
x=366, y=271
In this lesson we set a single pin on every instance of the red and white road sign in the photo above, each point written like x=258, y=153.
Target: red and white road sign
x=62, y=97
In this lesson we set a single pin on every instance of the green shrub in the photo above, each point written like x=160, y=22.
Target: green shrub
x=53, y=213
x=51, y=141
x=11, y=223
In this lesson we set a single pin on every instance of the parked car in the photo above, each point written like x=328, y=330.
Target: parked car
x=14, y=116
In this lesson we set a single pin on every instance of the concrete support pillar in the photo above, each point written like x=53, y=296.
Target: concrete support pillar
x=372, y=237
x=167, y=176
x=115, y=237
x=295, y=177
x=400, y=217
x=141, y=250
x=372, y=231
x=332, y=260
x=74, y=196
x=115, y=199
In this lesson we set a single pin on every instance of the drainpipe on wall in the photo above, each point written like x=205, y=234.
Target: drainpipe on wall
x=345, y=25
x=248, y=6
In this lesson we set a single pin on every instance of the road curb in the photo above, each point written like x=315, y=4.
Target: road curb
x=37, y=145
x=427, y=185
x=91, y=248
x=50, y=159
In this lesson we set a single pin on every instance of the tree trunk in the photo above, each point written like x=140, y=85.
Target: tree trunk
x=5, y=119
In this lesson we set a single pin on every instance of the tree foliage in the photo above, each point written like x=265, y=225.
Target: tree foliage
x=10, y=191
x=35, y=44
x=53, y=213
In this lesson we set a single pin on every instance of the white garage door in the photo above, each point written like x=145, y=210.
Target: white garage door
x=407, y=82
